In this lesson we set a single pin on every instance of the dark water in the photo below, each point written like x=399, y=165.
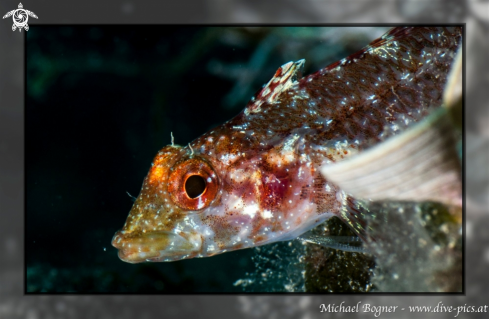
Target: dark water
x=100, y=102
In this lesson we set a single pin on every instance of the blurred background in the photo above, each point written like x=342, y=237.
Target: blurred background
x=101, y=101
x=474, y=13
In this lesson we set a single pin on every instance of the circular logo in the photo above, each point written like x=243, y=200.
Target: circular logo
x=20, y=18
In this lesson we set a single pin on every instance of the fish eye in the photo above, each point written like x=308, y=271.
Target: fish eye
x=192, y=184
x=195, y=186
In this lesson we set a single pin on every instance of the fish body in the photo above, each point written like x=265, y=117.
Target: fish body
x=257, y=179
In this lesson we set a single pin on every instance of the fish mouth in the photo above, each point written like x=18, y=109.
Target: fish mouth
x=155, y=246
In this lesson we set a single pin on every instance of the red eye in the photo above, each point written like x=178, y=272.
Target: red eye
x=192, y=184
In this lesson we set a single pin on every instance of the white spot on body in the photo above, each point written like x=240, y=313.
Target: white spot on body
x=339, y=196
x=250, y=210
x=266, y=214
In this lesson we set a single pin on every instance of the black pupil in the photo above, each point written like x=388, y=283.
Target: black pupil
x=195, y=186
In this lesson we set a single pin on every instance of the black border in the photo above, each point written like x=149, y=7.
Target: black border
x=463, y=25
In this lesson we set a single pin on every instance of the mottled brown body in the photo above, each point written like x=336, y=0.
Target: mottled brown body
x=405, y=71
x=262, y=168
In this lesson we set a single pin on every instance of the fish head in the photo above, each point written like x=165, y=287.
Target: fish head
x=161, y=225
x=193, y=204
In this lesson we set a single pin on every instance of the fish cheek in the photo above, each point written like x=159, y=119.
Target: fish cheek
x=222, y=228
x=259, y=224
x=172, y=219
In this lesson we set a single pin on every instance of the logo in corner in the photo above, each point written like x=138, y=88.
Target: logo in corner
x=20, y=17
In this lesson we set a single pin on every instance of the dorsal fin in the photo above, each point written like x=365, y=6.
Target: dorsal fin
x=283, y=79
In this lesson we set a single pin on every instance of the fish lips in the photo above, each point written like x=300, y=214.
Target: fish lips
x=155, y=246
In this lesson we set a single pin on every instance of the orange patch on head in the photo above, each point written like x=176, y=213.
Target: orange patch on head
x=156, y=174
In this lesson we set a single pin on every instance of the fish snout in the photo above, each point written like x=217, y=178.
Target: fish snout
x=155, y=246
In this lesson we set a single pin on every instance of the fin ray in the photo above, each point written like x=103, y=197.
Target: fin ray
x=345, y=243
x=354, y=214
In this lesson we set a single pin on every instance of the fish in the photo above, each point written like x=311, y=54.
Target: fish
x=257, y=179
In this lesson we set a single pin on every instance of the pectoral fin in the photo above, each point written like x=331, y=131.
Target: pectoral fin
x=345, y=243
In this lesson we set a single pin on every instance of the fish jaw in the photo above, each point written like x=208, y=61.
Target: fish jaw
x=156, y=229
x=155, y=246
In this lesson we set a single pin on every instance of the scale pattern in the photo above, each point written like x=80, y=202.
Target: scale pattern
x=262, y=168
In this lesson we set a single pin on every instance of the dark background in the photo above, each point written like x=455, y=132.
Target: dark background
x=12, y=302
x=101, y=101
